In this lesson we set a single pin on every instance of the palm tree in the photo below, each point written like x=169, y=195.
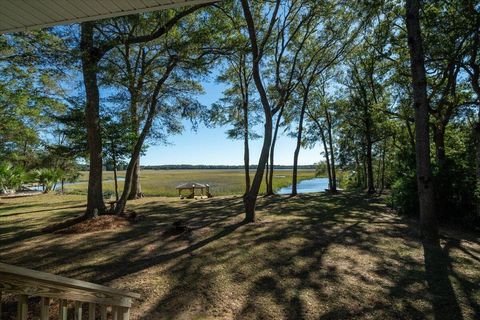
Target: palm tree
x=11, y=177
x=48, y=178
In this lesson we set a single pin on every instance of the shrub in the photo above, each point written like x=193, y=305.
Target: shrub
x=11, y=177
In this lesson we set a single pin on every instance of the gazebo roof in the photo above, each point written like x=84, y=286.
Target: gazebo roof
x=191, y=185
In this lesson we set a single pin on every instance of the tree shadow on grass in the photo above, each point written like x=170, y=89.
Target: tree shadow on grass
x=43, y=210
x=309, y=257
x=437, y=272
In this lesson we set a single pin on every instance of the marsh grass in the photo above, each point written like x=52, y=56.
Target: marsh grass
x=163, y=182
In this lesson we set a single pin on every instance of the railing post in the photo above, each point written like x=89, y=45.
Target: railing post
x=114, y=313
x=78, y=310
x=22, y=307
x=91, y=311
x=103, y=312
x=62, y=310
x=44, y=308
x=124, y=313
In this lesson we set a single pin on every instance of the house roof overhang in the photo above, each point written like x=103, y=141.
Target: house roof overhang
x=22, y=15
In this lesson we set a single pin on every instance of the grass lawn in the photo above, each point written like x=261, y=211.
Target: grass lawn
x=163, y=182
x=310, y=257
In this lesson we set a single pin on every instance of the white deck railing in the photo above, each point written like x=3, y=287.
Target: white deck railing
x=24, y=283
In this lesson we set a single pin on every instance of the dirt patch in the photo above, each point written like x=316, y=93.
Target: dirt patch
x=101, y=223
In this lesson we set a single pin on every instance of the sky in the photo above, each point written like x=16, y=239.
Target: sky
x=209, y=146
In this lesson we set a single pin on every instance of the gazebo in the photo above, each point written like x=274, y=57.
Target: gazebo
x=192, y=186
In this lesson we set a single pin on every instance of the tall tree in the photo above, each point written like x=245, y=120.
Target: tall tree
x=257, y=48
x=428, y=219
x=322, y=122
x=471, y=65
x=238, y=107
x=297, y=26
x=93, y=48
x=29, y=93
x=118, y=139
x=178, y=59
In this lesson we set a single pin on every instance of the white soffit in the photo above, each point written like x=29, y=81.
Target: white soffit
x=21, y=15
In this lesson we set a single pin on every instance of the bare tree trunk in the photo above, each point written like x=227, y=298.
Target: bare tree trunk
x=250, y=199
x=136, y=190
x=246, y=149
x=272, y=152
x=477, y=158
x=382, y=177
x=325, y=148
x=327, y=158
x=428, y=219
x=95, y=203
x=439, y=138
x=299, y=143
x=369, y=146
x=120, y=207
x=357, y=169
x=365, y=174
x=115, y=178
x=152, y=111
x=266, y=175
x=369, y=160
x=332, y=151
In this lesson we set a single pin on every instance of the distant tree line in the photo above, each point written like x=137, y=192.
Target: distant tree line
x=226, y=167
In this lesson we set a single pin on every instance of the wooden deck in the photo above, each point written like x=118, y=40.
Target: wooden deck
x=24, y=283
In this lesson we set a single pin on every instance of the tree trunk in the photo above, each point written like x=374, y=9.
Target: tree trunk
x=369, y=146
x=439, y=138
x=428, y=219
x=115, y=178
x=382, y=176
x=246, y=152
x=357, y=169
x=136, y=189
x=327, y=158
x=365, y=175
x=299, y=143
x=442, y=198
x=250, y=198
x=475, y=81
x=152, y=111
x=332, y=152
x=272, y=152
x=95, y=203
x=477, y=158
x=120, y=207
x=369, y=160
x=266, y=175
